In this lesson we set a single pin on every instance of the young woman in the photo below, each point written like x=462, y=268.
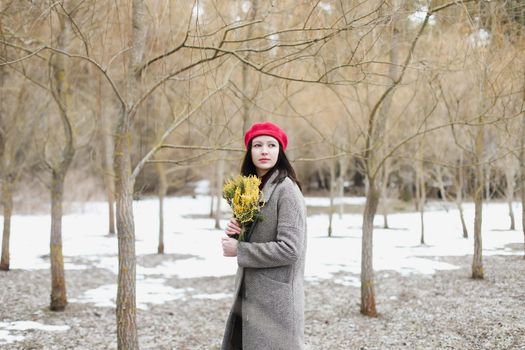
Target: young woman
x=268, y=311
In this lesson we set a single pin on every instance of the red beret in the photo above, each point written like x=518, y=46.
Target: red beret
x=266, y=128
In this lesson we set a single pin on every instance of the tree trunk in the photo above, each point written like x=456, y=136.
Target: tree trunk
x=384, y=192
x=368, y=303
x=4, y=260
x=441, y=185
x=212, y=197
x=218, y=193
x=522, y=169
x=111, y=207
x=107, y=160
x=421, y=200
x=341, y=196
x=163, y=188
x=422, y=221
x=343, y=163
x=61, y=94
x=459, y=196
x=126, y=297
x=127, y=338
x=462, y=218
x=486, y=175
x=509, y=194
x=332, y=194
x=377, y=124
x=58, y=282
x=7, y=202
x=477, y=261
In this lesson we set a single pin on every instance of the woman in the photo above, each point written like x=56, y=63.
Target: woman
x=268, y=311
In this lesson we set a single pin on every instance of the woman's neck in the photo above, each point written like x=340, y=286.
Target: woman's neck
x=262, y=172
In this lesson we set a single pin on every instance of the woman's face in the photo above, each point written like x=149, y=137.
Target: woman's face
x=265, y=152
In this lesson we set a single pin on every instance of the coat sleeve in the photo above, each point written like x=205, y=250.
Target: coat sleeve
x=291, y=231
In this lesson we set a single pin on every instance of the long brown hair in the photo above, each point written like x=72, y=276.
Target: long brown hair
x=283, y=165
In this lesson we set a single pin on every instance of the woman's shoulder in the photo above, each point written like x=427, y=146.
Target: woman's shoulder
x=290, y=195
x=289, y=187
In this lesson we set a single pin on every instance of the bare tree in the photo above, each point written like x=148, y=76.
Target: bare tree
x=522, y=170
x=126, y=295
x=372, y=164
x=374, y=157
x=59, y=167
x=477, y=260
x=16, y=131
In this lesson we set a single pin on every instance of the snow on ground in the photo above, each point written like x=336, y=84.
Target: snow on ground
x=325, y=202
x=189, y=231
x=5, y=327
x=25, y=325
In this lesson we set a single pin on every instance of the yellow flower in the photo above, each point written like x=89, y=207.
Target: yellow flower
x=242, y=194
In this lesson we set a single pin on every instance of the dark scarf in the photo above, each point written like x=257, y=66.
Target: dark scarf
x=265, y=177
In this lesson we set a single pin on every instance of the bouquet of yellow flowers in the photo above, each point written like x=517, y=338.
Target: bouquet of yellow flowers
x=243, y=195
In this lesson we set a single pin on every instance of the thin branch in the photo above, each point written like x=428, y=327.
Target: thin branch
x=164, y=55
x=70, y=55
x=333, y=156
x=107, y=65
x=136, y=105
x=169, y=130
x=7, y=63
x=207, y=148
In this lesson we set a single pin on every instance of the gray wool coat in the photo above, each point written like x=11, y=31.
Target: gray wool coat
x=271, y=273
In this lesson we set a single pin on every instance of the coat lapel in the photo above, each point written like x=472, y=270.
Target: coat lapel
x=269, y=187
x=267, y=192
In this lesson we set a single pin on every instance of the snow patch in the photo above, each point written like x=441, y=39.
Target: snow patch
x=7, y=327
x=149, y=291
x=215, y=296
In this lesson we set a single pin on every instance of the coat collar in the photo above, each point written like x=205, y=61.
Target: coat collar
x=267, y=192
x=269, y=187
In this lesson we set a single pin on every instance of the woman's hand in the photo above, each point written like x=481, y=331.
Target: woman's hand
x=233, y=228
x=229, y=246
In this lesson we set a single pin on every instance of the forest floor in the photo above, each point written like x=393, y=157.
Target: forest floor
x=445, y=310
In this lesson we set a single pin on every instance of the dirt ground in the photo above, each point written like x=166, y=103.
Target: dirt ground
x=447, y=310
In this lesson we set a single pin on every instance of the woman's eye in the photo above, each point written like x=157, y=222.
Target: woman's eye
x=257, y=145
x=271, y=145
